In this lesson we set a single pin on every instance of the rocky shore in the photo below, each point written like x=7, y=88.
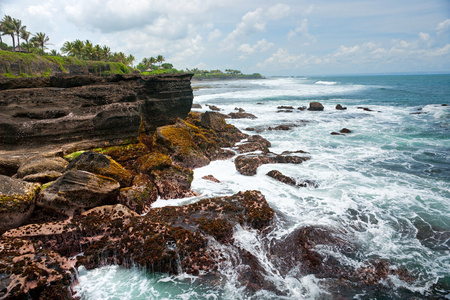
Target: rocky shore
x=86, y=200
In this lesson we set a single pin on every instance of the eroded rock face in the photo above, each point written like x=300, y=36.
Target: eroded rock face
x=91, y=111
x=17, y=201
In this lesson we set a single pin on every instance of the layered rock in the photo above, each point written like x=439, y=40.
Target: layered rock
x=89, y=111
x=17, y=201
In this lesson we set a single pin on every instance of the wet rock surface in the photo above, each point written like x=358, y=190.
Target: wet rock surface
x=315, y=106
x=277, y=175
x=249, y=163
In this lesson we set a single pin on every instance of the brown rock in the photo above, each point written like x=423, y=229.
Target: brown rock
x=41, y=164
x=17, y=201
x=242, y=115
x=213, y=121
x=77, y=190
x=211, y=178
x=339, y=107
x=248, y=164
x=101, y=164
x=315, y=106
x=345, y=130
x=140, y=196
x=173, y=182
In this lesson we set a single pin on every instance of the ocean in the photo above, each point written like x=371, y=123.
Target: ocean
x=386, y=184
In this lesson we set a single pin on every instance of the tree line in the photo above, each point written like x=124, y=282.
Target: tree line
x=14, y=28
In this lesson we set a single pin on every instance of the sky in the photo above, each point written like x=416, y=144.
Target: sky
x=270, y=37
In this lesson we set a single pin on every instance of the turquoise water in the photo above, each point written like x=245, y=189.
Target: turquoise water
x=387, y=184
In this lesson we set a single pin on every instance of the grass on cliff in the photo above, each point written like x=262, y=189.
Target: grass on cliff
x=16, y=64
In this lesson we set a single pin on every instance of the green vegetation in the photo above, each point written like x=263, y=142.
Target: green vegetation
x=26, y=59
x=219, y=75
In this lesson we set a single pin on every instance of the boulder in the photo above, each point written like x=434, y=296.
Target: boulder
x=77, y=190
x=43, y=177
x=339, y=107
x=277, y=175
x=140, y=196
x=212, y=120
x=152, y=161
x=37, y=165
x=345, y=130
x=211, y=178
x=254, y=143
x=17, y=201
x=173, y=182
x=248, y=164
x=242, y=115
x=101, y=164
x=315, y=106
x=196, y=105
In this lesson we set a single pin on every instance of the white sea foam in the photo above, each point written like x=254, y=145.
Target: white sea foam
x=373, y=182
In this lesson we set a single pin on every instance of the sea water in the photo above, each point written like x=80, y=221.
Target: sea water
x=387, y=184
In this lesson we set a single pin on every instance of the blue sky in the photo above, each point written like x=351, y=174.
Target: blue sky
x=285, y=37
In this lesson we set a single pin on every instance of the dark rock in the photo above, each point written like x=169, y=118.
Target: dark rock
x=77, y=190
x=17, y=201
x=211, y=178
x=335, y=133
x=444, y=104
x=140, y=195
x=254, y=143
x=345, y=130
x=42, y=164
x=241, y=110
x=302, y=108
x=101, y=164
x=213, y=107
x=365, y=108
x=89, y=111
x=248, y=164
x=168, y=239
x=277, y=175
x=284, y=111
x=281, y=127
x=242, y=115
x=315, y=106
x=285, y=107
x=339, y=107
x=196, y=105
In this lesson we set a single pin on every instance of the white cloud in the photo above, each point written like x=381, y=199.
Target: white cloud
x=303, y=30
x=260, y=46
x=213, y=35
x=443, y=27
x=278, y=11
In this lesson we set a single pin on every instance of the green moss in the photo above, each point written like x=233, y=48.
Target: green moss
x=8, y=75
x=153, y=161
x=73, y=155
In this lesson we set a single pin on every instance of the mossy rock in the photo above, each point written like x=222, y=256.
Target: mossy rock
x=101, y=164
x=152, y=161
x=77, y=190
x=17, y=201
x=140, y=195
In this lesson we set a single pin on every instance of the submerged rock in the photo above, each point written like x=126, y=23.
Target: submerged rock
x=242, y=115
x=339, y=107
x=17, y=201
x=277, y=175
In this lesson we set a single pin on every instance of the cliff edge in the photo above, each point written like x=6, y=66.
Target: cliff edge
x=85, y=111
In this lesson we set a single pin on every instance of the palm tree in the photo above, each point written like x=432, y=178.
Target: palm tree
x=160, y=59
x=67, y=48
x=129, y=60
x=24, y=34
x=41, y=39
x=1, y=33
x=152, y=61
x=17, y=26
x=8, y=28
x=106, y=53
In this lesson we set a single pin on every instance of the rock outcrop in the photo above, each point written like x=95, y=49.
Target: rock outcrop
x=17, y=201
x=89, y=111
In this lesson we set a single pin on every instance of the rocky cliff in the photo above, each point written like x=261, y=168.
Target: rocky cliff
x=85, y=111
